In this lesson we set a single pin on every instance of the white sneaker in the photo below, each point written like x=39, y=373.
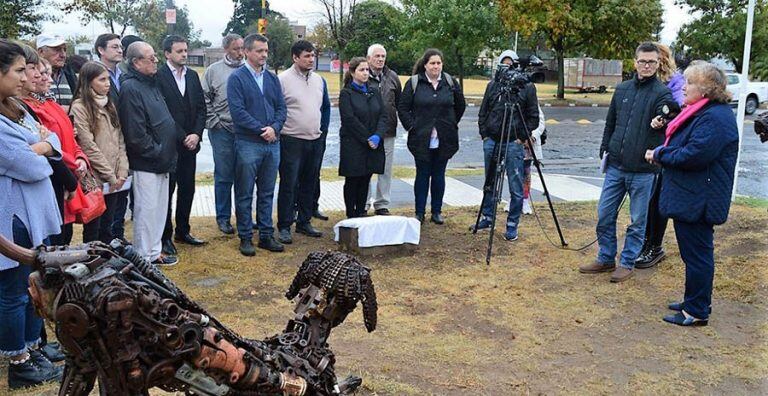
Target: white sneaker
x=527, y=207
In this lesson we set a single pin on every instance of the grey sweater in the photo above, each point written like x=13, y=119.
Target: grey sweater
x=215, y=92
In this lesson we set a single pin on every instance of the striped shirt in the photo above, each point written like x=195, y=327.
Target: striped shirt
x=61, y=90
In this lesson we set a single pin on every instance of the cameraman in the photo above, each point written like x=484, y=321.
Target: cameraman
x=490, y=121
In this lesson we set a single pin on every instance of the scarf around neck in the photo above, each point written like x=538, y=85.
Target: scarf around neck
x=688, y=112
x=100, y=100
x=232, y=63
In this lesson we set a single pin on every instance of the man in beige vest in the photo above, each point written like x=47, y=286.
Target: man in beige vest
x=301, y=145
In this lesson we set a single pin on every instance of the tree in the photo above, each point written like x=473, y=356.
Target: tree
x=246, y=14
x=151, y=27
x=339, y=17
x=21, y=18
x=600, y=28
x=720, y=28
x=117, y=15
x=461, y=28
x=320, y=36
x=280, y=35
x=381, y=23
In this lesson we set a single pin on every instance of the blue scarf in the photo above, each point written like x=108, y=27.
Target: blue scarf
x=362, y=88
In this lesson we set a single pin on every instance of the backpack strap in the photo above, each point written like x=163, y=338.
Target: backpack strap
x=415, y=81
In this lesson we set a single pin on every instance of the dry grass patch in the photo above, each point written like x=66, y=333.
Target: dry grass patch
x=529, y=323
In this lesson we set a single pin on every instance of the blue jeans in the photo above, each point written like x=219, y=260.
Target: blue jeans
x=257, y=165
x=19, y=324
x=223, y=145
x=426, y=171
x=617, y=183
x=514, y=164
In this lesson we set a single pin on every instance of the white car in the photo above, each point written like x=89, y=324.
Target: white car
x=757, y=92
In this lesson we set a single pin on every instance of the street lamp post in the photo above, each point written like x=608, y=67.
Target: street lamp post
x=743, y=91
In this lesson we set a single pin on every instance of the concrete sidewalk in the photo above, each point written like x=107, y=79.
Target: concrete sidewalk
x=459, y=191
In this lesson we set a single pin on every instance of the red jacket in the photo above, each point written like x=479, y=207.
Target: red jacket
x=53, y=117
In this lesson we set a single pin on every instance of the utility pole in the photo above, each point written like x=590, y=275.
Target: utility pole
x=170, y=17
x=743, y=93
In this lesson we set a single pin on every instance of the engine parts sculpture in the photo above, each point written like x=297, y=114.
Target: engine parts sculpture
x=123, y=322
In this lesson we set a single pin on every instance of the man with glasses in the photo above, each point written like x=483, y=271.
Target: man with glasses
x=54, y=50
x=110, y=52
x=628, y=134
x=151, y=136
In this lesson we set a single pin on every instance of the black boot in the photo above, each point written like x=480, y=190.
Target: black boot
x=649, y=258
x=30, y=374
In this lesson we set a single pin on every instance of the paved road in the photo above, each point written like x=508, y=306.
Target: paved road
x=574, y=137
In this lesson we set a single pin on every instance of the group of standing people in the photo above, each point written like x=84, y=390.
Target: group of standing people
x=125, y=121
x=678, y=166
x=75, y=144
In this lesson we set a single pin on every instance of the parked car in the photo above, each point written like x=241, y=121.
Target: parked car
x=757, y=92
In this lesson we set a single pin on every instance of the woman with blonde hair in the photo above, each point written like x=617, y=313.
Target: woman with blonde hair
x=698, y=162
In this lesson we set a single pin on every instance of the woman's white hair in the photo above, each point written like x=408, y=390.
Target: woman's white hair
x=375, y=47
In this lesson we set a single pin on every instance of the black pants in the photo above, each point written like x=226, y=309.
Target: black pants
x=184, y=177
x=300, y=162
x=656, y=225
x=316, y=202
x=355, y=194
x=100, y=229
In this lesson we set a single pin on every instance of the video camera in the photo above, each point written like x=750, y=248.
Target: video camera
x=510, y=79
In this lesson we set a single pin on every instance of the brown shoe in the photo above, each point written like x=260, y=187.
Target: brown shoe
x=621, y=274
x=596, y=267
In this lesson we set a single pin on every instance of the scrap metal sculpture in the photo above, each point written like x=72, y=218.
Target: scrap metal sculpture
x=123, y=322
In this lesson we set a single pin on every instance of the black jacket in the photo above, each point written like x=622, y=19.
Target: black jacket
x=188, y=111
x=362, y=116
x=491, y=115
x=428, y=108
x=628, y=133
x=389, y=86
x=151, y=134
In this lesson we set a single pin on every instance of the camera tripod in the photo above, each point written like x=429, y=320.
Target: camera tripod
x=494, y=175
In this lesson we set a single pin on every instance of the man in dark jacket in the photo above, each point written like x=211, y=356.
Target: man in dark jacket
x=627, y=135
x=524, y=108
x=183, y=95
x=151, y=136
x=388, y=84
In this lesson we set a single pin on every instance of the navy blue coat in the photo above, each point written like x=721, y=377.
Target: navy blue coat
x=698, y=167
x=248, y=105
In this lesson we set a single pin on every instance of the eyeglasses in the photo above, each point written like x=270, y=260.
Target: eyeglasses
x=647, y=63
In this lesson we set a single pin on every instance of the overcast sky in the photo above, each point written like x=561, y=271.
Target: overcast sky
x=212, y=17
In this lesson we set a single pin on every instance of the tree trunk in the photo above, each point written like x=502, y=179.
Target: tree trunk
x=341, y=73
x=560, y=69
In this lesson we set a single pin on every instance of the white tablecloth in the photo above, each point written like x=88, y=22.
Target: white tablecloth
x=382, y=230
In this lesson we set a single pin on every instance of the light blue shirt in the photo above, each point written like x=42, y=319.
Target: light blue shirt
x=258, y=76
